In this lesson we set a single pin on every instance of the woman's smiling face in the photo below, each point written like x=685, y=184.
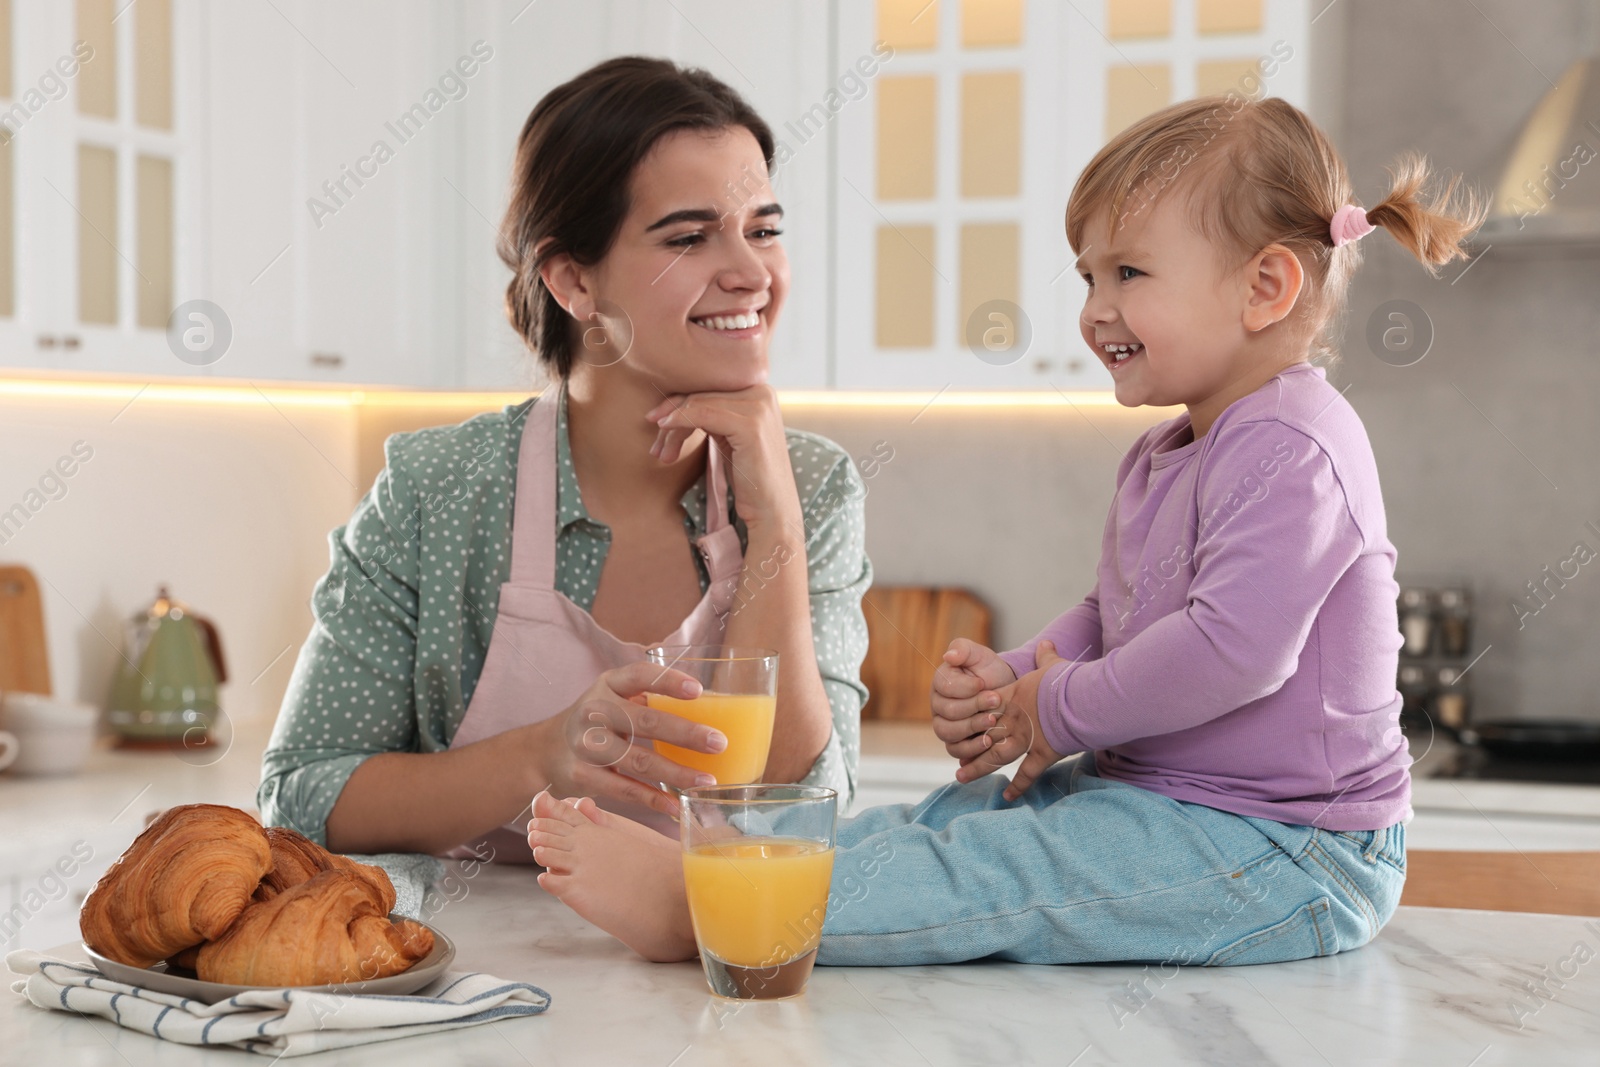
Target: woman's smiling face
x=692, y=286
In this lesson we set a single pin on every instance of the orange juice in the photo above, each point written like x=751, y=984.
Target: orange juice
x=758, y=901
x=745, y=719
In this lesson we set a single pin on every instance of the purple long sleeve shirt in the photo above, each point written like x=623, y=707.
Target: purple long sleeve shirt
x=1240, y=644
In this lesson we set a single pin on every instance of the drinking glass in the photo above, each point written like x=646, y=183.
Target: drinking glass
x=757, y=862
x=739, y=695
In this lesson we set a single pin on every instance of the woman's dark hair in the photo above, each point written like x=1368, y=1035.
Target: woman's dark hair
x=575, y=157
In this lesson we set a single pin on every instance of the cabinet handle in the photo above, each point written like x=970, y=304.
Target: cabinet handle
x=71, y=341
x=46, y=341
x=327, y=359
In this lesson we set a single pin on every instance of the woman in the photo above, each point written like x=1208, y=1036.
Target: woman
x=480, y=635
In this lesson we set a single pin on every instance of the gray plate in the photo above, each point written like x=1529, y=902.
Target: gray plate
x=418, y=976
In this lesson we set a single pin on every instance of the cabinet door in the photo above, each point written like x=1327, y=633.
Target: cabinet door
x=953, y=176
x=950, y=273
x=28, y=33
x=328, y=188
x=253, y=158
x=378, y=111
x=101, y=129
x=532, y=48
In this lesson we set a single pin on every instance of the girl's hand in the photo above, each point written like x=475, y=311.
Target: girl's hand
x=964, y=694
x=600, y=746
x=1016, y=734
x=749, y=428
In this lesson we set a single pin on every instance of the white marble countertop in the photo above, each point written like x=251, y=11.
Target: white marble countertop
x=908, y=755
x=1436, y=987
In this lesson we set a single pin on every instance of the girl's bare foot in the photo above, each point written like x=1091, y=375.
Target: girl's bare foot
x=622, y=876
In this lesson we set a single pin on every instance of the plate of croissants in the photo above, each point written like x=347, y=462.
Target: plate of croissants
x=207, y=903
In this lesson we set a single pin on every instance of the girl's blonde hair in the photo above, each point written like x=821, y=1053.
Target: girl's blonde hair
x=1259, y=172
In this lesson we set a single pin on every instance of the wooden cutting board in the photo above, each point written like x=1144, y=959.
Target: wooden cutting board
x=908, y=629
x=24, y=662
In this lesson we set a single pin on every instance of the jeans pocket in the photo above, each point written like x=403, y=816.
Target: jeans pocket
x=1304, y=934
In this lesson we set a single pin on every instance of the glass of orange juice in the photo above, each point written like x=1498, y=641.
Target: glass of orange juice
x=757, y=862
x=739, y=694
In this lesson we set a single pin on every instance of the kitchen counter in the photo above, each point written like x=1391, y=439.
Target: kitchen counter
x=900, y=760
x=1436, y=987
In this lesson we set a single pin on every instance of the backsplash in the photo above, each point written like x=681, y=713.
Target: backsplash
x=229, y=505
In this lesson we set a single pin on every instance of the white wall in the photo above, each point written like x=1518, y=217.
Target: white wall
x=230, y=505
x=1009, y=503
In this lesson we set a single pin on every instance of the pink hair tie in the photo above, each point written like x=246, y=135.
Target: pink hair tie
x=1349, y=224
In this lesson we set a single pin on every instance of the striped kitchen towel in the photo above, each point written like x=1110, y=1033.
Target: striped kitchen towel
x=278, y=1022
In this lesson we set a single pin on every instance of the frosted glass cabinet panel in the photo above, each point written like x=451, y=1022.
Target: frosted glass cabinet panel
x=961, y=276
x=97, y=154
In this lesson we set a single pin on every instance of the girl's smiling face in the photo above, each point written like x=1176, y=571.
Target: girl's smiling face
x=694, y=282
x=1173, y=323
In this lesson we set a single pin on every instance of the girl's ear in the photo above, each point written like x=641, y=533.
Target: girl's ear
x=1275, y=279
x=569, y=284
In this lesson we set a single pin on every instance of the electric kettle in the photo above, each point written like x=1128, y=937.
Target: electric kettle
x=165, y=689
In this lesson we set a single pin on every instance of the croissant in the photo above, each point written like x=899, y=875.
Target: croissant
x=329, y=930
x=183, y=881
x=296, y=858
x=185, y=960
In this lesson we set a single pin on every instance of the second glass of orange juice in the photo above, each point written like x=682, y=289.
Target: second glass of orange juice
x=739, y=695
x=757, y=866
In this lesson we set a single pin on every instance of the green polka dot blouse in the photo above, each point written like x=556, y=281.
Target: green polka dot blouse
x=402, y=620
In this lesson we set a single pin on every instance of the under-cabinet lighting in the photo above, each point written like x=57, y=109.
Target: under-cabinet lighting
x=377, y=396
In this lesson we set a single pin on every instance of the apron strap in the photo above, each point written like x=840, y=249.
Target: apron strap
x=716, y=488
x=719, y=545
x=535, y=513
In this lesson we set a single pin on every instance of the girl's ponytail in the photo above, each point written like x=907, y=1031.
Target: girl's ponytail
x=1433, y=231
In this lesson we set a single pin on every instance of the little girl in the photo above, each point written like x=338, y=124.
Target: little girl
x=1239, y=783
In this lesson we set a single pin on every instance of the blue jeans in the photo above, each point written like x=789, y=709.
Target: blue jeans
x=1083, y=869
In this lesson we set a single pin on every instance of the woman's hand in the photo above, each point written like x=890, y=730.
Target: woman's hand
x=1015, y=731
x=600, y=746
x=750, y=428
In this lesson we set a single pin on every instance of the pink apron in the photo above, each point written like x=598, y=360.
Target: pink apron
x=546, y=650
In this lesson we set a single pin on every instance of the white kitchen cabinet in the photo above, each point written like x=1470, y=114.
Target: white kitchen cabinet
x=329, y=131
x=335, y=259
x=536, y=47
x=953, y=173
x=99, y=166
x=250, y=196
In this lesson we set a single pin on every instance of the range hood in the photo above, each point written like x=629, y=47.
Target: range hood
x=1549, y=192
